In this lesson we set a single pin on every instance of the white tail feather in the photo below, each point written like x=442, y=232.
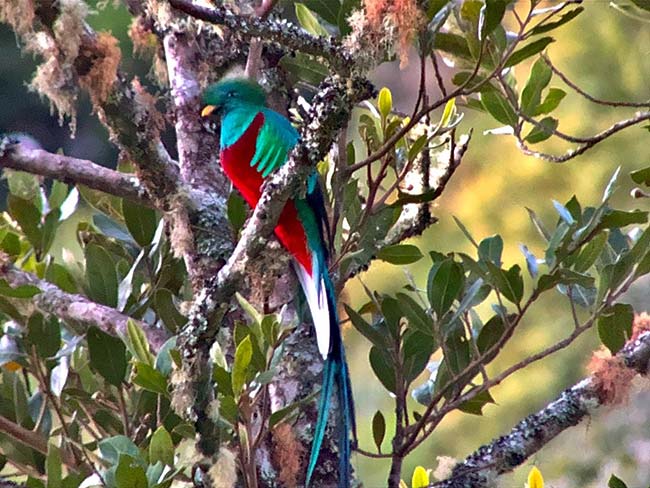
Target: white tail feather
x=317, y=300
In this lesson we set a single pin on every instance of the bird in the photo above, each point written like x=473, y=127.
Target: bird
x=255, y=141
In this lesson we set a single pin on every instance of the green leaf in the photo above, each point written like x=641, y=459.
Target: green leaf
x=452, y=44
x=590, y=253
x=417, y=146
x=138, y=342
x=44, y=335
x=21, y=291
x=611, y=185
x=53, y=465
x=161, y=447
x=21, y=184
x=490, y=334
x=641, y=176
x=498, y=107
x=113, y=447
x=528, y=50
x=150, y=379
x=243, y=356
x=107, y=355
x=564, y=213
x=390, y=309
x=163, y=303
x=367, y=330
x=542, y=132
x=140, y=221
x=248, y=308
x=237, y=211
x=10, y=243
x=539, y=78
x=621, y=218
x=615, y=326
x=327, y=9
x=308, y=20
x=615, y=481
x=378, y=429
x=129, y=474
x=551, y=101
x=50, y=225
x=537, y=223
x=491, y=15
x=61, y=277
x=548, y=26
x=101, y=276
x=417, y=317
x=416, y=352
x=476, y=404
x=303, y=68
x=382, y=368
x=58, y=194
x=28, y=217
x=457, y=350
x=400, y=254
x=445, y=283
x=509, y=283
x=465, y=232
x=490, y=249
x=563, y=276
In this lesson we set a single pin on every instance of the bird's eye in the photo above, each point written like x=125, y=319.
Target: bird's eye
x=231, y=94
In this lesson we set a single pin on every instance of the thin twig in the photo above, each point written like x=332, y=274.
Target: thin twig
x=599, y=101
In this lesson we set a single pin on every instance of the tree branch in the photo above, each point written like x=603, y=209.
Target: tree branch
x=590, y=142
x=18, y=156
x=416, y=217
x=76, y=309
x=504, y=454
x=33, y=440
x=286, y=35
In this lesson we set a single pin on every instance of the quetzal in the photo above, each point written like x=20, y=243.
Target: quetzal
x=255, y=141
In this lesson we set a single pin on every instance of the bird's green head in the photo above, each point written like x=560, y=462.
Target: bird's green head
x=232, y=93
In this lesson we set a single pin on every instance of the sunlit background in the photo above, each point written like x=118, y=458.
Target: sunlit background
x=608, y=54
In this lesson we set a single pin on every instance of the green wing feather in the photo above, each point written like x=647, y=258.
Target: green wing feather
x=276, y=138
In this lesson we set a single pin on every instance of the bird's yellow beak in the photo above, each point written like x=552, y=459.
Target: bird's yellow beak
x=207, y=110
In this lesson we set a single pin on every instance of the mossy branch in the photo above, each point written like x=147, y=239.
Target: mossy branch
x=504, y=454
x=284, y=34
x=67, y=169
x=76, y=309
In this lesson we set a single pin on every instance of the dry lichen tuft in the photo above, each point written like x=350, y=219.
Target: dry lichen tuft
x=398, y=19
x=146, y=105
x=69, y=28
x=55, y=77
x=19, y=14
x=613, y=378
x=144, y=40
x=223, y=473
x=101, y=76
x=53, y=80
x=287, y=454
x=640, y=325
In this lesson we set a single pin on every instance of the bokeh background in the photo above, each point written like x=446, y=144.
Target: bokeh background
x=608, y=54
